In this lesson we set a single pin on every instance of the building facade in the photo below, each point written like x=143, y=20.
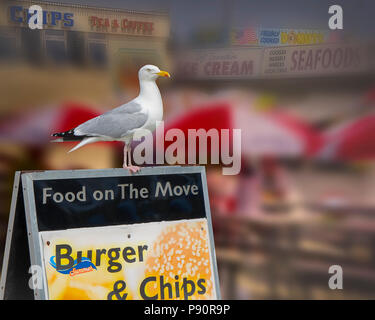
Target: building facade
x=82, y=35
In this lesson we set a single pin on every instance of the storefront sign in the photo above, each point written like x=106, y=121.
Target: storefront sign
x=281, y=37
x=314, y=60
x=279, y=61
x=269, y=37
x=303, y=37
x=220, y=63
x=104, y=234
x=86, y=19
x=20, y=14
x=124, y=25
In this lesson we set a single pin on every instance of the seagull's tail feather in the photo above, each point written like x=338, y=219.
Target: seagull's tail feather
x=70, y=136
x=84, y=142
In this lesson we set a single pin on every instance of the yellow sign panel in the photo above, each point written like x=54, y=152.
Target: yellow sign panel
x=157, y=260
x=292, y=37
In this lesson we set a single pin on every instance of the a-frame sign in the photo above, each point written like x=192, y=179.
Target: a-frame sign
x=106, y=234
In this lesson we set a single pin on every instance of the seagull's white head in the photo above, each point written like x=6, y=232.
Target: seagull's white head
x=150, y=72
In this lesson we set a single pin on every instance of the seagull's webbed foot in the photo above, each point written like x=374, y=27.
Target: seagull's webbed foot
x=131, y=168
x=134, y=169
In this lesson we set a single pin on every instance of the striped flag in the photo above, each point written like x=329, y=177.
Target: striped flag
x=249, y=35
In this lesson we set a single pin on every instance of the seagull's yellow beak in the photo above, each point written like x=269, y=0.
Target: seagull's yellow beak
x=164, y=74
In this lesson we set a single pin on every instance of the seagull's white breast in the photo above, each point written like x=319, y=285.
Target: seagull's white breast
x=152, y=104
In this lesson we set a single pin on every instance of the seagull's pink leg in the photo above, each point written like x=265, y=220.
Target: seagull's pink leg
x=131, y=167
x=124, y=164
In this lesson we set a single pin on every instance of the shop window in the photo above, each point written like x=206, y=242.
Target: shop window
x=97, y=49
x=31, y=45
x=55, y=45
x=76, y=47
x=7, y=47
x=8, y=43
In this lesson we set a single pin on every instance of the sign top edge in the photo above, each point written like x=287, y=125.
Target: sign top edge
x=96, y=173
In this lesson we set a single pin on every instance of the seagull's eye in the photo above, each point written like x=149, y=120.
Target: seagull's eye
x=148, y=69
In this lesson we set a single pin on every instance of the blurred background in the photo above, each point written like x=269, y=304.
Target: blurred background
x=302, y=94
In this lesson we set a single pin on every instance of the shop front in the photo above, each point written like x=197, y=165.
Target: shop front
x=82, y=35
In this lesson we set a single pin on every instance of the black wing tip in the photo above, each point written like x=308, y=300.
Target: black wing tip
x=64, y=134
x=68, y=136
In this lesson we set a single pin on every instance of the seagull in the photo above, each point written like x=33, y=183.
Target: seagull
x=121, y=123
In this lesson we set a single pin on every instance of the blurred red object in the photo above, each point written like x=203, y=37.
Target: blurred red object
x=277, y=133
x=218, y=116
x=354, y=140
x=72, y=114
x=272, y=133
x=35, y=128
x=370, y=95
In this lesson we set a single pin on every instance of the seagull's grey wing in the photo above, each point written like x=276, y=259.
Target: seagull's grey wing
x=115, y=123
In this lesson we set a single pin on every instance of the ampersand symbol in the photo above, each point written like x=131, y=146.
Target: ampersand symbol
x=118, y=287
